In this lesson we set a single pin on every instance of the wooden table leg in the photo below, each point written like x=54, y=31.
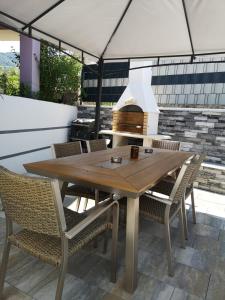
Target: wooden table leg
x=131, y=256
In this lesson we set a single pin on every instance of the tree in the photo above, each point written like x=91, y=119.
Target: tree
x=59, y=76
x=9, y=81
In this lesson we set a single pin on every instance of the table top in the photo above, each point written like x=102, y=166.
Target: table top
x=131, y=178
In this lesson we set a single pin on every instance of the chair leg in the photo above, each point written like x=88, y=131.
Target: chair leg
x=114, y=242
x=169, y=250
x=5, y=258
x=78, y=203
x=96, y=204
x=184, y=218
x=106, y=235
x=181, y=228
x=62, y=272
x=85, y=204
x=193, y=207
x=105, y=243
x=63, y=186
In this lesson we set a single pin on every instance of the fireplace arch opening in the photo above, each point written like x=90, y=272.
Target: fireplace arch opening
x=130, y=118
x=131, y=108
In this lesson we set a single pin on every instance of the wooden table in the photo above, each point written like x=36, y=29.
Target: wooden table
x=131, y=179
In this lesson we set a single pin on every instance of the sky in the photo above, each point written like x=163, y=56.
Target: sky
x=5, y=46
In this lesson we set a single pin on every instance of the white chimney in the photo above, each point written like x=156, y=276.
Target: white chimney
x=139, y=92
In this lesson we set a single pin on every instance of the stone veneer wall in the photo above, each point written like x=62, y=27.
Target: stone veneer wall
x=198, y=130
x=211, y=178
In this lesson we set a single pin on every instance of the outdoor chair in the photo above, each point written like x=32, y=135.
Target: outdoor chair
x=166, y=185
x=66, y=149
x=169, y=145
x=77, y=190
x=54, y=233
x=96, y=145
x=165, y=208
x=93, y=146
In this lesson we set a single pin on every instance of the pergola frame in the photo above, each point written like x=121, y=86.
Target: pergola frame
x=100, y=58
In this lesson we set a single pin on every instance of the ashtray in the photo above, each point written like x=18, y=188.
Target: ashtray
x=116, y=159
x=148, y=150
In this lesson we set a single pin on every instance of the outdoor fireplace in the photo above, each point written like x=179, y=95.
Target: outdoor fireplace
x=130, y=118
x=137, y=110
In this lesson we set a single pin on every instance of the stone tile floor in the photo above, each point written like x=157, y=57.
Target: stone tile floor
x=199, y=269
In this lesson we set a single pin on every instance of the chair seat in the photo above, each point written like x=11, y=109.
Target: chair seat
x=48, y=248
x=152, y=208
x=85, y=192
x=165, y=187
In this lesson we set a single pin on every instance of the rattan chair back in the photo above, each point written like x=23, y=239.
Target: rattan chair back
x=66, y=149
x=182, y=181
x=197, y=161
x=96, y=145
x=169, y=145
x=33, y=203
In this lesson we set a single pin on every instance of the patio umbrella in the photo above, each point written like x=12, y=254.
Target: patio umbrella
x=116, y=29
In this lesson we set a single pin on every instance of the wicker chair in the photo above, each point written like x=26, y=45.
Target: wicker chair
x=69, y=149
x=166, y=185
x=66, y=149
x=54, y=233
x=93, y=146
x=96, y=145
x=169, y=145
x=164, y=209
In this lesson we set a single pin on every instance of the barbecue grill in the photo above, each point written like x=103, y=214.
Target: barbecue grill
x=82, y=129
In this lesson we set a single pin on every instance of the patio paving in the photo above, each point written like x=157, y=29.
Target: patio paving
x=199, y=269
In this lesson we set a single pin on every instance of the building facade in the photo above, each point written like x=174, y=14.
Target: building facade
x=184, y=85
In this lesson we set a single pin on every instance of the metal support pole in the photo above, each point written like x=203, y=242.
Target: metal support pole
x=81, y=79
x=99, y=97
x=30, y=32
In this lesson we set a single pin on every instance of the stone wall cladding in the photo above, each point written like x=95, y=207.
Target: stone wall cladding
x=105, y=114
x=211, y=178
x=198, y=130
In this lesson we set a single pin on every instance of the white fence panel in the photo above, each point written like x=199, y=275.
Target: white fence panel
x=29, y=127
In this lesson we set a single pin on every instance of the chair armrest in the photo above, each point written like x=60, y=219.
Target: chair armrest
x=100, y=204
x=162, y=200
x=89, y=219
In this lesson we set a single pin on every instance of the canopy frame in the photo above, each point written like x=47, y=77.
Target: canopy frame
x=101, y=60
x=117, y=27
x=42, y=14
x=189, y=30
x=52, y=7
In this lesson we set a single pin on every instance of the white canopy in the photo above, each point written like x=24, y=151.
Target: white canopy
x=123, y=28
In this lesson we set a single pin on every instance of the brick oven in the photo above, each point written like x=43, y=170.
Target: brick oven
x=137, y=110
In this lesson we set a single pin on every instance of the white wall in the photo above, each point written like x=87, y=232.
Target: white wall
x=35, y=119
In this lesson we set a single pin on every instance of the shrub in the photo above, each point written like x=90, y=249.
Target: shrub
x=59, y=76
